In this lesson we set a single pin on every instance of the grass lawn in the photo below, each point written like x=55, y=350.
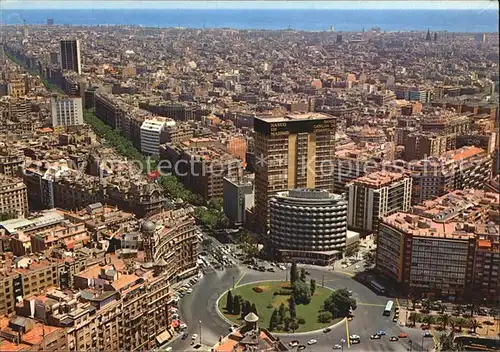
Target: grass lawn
x=309, y=312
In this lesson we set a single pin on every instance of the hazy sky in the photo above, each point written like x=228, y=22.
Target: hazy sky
x=406, y=4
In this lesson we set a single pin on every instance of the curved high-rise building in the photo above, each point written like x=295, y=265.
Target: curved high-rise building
x=308, y=225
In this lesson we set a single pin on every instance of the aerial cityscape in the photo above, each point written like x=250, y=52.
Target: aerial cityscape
x=249, y=176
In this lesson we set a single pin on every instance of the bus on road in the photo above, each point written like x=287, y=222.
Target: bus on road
x=388, y=308
x=378, y=287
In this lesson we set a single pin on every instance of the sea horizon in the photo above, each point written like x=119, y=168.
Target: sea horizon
x=460, y=21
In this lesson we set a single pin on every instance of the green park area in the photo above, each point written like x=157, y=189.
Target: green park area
x=270, y=298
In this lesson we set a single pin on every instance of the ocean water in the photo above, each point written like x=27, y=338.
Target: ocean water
x=312, y=20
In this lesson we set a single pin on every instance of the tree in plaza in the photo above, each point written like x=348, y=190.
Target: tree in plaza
x=444, y=319
x=253, y=309
x=294, y=275
x=474, y=324
x=339, y=303
x=428, y=319
x=229, y=302
x=414, y=318
x=369, y=258
x=273, y=322
x=301, y=292
x=293, y=325
x=351, y=251
x=287, y=321
x=303, y=275
x=459, y=309
x=245, y=308
x=281, y=313
x=291, y=307
x=236, y=305
x=313, y=286
x=325, y=317
x=460, y=323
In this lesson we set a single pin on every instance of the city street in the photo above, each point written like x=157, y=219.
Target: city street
x=200, y=306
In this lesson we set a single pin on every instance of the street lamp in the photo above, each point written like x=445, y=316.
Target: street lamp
x=342, y=344
x=199, y=322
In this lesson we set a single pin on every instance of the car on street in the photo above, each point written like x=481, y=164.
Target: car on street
x=312, y=342
x=381, y=332
x=270, y=270
x=337, y=347
x=327, y=330
x=185, y=336
x=354, y=339
x=403, y=335
x=350, y=292
x=301, y=347
x=394, y=338
x=194, y=337
x=427, y=334
x=294, y=343
x=375, y=337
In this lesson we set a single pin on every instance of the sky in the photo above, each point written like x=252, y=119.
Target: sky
x=166, y=4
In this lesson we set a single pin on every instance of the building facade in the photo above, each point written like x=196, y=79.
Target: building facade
x=70, y=56
x=13, y=197
x=292, y=151
x=308, y=225
x=152, y=131
x=66, y=111
x=375, y=195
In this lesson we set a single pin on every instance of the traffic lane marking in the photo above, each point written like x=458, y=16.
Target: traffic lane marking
x=370, y=304
x=347, y=333
x=239, y=280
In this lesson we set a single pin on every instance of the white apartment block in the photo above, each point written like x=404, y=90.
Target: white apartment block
x=66, y=111
x=151, y=133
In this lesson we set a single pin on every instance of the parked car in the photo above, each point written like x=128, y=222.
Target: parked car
x=185, y=336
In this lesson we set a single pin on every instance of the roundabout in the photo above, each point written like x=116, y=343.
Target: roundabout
x=200, y=310
x=268, y=296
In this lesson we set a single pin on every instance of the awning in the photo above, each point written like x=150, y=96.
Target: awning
x=164, y=336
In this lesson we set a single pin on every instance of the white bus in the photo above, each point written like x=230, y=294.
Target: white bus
x=388, y=308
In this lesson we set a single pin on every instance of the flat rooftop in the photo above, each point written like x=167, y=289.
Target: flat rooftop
x=295, y=117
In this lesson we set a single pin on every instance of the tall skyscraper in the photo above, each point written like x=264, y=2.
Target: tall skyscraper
x=70, y=55
x=292, y=151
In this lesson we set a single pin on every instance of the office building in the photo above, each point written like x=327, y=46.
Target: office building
x=152, y=131
x=292, y=151
x=375, y=195
x=66, y=111
x=70, y=56
x=308, y=225
x=238, y=197
x=13, y=197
